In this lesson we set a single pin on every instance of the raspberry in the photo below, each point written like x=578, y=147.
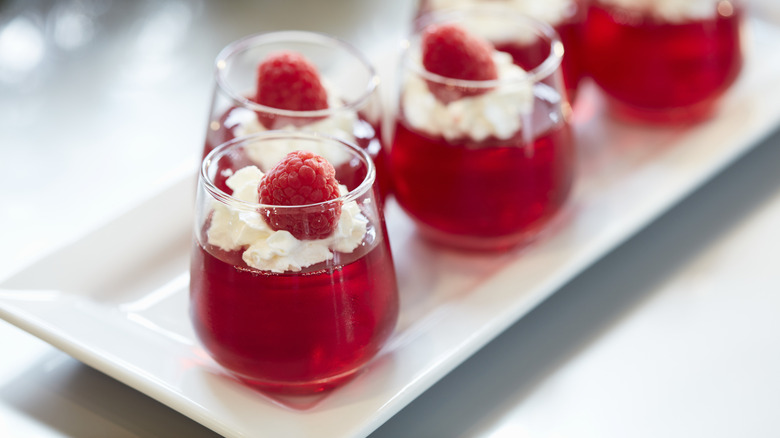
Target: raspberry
x=451, y=51
x=287, y=80
x=301, y=178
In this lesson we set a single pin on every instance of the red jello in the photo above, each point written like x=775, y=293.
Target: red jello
x=295, y=79
x=485, y=165
x=293, y=333
x=483, y=195
x=528, y=56
x=663, y=71
x=286, y=295
x=573, y=62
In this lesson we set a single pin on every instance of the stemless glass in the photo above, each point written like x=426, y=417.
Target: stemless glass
x=567, y=17
x=289, y=316
x=354, y=110
x=665, y=63
x=486, y=171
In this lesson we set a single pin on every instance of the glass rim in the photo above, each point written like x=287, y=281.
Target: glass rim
x=228, y=199
x=458, y=14
x=298, y=36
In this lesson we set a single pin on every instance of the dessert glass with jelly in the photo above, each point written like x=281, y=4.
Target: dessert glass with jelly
x=664, y=62
x=285, y=313
x=567, y=17
x=353, y=111
x=482, y=164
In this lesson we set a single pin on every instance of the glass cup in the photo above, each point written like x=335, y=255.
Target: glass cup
x=664, y=63
x=488, y=170
x=567, y=17
x=354, y=112
x=289, y=316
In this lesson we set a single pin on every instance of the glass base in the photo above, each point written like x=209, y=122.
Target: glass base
x=672, y=116
x=480, y=243
x=299, y=389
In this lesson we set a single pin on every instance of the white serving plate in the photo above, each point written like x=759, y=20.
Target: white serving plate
x=117, y=299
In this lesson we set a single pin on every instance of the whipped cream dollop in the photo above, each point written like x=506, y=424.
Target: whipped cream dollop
x=552, y=12
x=673, y=11
x=232, y=229
x=497, y=113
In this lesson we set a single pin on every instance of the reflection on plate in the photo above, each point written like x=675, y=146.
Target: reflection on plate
x=117, y=300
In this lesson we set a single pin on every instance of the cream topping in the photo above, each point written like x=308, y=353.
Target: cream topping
x=672, y=11
x=278, y=251
x=552, y=12
x=498, y=112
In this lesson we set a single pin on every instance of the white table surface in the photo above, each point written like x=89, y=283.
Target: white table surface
x=674, y=334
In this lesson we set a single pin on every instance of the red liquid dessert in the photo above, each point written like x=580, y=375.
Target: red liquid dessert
x=367, y=136
x=528, y=56
x=488, y=194
x=294, y=332
x=292, y=283
x=657, y=70
x=573, y=62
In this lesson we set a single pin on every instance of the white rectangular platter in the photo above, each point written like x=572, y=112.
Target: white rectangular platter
x=117, y=299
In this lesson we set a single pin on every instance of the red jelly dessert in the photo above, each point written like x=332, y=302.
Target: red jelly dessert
x=567, y=17
x=263, y=85
x=570, y=31
x=654, y=69
x=296, y=332
x=489, y=187
x=485, y=194
x=291, y=327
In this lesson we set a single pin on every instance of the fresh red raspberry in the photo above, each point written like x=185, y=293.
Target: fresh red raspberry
x=451, y=51
x=301, y=178
x=287, y=80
